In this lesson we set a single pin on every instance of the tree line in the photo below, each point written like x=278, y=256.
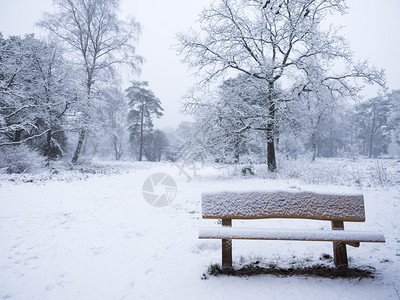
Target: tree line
x=61, y=96
x=274, y=78
x=227, y=122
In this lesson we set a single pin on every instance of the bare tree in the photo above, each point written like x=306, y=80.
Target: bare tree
x=278, y=41
x=92, y=29
x=113, y=113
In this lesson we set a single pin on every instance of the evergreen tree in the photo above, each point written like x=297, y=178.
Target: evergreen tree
x=143, y=106
x=155, y=145
x=372, y=120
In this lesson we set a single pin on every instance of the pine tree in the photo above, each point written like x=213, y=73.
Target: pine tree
x=143, y=106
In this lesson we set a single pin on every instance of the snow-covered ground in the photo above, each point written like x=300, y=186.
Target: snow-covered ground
x=77, y=235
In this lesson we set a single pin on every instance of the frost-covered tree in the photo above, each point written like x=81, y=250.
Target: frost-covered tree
x=18, y=100
x=143, y=107
x=372, y=123
x=394, y=115
x=229, y=121
x=18, y=105
x=330, y=136
x=93, y=31
x=155, y=145
x=282, y=43
x=314, y=106
x=37, y=88
x=57, y=91
x=179, y=140
x=112, y=115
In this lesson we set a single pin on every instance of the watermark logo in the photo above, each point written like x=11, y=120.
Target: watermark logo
x=159, y=189
x=181, y=168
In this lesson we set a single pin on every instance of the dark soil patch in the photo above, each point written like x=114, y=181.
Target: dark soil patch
x=312, y=271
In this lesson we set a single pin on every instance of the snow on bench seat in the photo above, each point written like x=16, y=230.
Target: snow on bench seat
x=226, y=232
x=283, y=204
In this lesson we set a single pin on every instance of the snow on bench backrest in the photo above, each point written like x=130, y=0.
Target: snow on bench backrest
x=301, y=205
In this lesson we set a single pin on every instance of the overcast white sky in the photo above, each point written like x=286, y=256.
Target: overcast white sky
x=371, y=26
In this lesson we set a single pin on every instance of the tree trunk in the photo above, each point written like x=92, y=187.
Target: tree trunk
x=117, y=148
x=82, y=135
x=271, y=159
x=277, y=141
x=351, y=137
x=364, y=151
x=17, y=136
x=48, y=148
x=141, y=134
x=236, y=154
x=331, y=143
x=371, y=137
x=314, y=147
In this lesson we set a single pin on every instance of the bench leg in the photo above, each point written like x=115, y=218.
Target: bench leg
x=226, y=247
x=339, y=248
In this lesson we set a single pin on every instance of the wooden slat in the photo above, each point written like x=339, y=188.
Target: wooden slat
x=301, y=205
x=353, y=244
x=293, y=235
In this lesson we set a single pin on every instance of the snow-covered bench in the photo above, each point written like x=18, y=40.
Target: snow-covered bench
x=286, y=204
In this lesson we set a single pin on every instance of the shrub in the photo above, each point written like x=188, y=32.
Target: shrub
x=19, y=159
x=247, y=171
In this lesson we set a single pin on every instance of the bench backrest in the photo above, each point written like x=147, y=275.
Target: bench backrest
x=300, y=205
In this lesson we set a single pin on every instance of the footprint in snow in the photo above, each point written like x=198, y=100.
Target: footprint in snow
x=96, y=250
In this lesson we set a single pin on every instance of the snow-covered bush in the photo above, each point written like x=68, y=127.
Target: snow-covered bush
x=360, y=172
x=19, y=159
x=380, y=175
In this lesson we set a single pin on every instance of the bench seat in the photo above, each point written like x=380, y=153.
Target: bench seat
x=289, y=234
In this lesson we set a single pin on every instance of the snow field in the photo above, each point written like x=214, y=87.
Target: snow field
x=99, y=239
